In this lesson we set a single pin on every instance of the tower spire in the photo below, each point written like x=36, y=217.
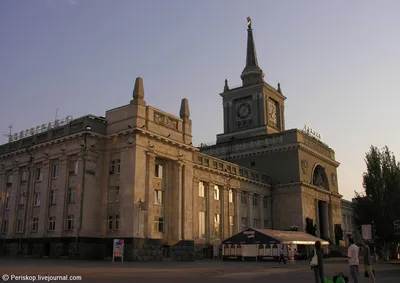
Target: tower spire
x=252, y=73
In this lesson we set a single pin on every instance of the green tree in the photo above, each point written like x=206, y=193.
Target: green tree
x=380, y=202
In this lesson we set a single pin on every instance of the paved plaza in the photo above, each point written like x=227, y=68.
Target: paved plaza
x=199, y=271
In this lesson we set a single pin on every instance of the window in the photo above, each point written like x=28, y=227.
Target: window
x=37, y=199
x=216, y=192
x=74, y=167
x=158, y=197
x=256, y=223
x=24, y=177
x=71, y=194
x=35, y=224
x=231, y=225
x=20, y=225
x=243, y=198
x=116, y=190
x=7, y=201
x=158, y=224
x=10, y=178
x=4, y=227
x=217, y=224
x=265, y=224
x=70, y=222
x=52, y=199
x=201, y=189
x=159, y=171
x=54, y=171
x=265, y=202
x=244, y=222
x=202, y=224
x=21, y=201
x=110, y=222
x=39, y=174
x=255, y=200
x=116, y=222
x=118, y=166
x=112, y=167
x=52, y=223
x=110, y=194
x=230, y=195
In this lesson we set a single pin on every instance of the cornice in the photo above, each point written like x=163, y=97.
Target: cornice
x=310, y=186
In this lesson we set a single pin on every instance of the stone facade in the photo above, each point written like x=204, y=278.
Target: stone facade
x=348, y=222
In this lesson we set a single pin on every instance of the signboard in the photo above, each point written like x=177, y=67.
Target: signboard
x=118, y=249
x=366, y=232
x=249, y=234
x=310, y=132
x=39, y=129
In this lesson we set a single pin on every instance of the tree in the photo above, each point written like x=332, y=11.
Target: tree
x=380, y=202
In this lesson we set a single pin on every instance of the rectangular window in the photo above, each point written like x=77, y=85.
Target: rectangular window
x=7, y=201
x=74, y=165
x=255, y=200
x=230, y=195
x=116, y=195
x=52, y=199
x=158, y=197
x=21, y=201
x=256, y=223
x=265, y=202
x=71, y=194
x=54, y=171
x=35, y=224
x=112, y=167
x=202, y=224
x=217, y=225
x=39, y=174
x=20, y=225
x=37, y=199
x=70, y=222
x=4, y=227
x=110, y=222
x=201, y=189
x=265, y=224
x=158, y=224
x=118, y=166
x=24, y=177
x=231, y=225
x=244, y=222
x=116, y=222
x=110, y=194
x=10, y=178
x=243, y=198
x=159, y=171
x=52, y=223
x=216, y=192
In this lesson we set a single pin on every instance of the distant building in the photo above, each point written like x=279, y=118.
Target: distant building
x=135, y=175
x=348, y=222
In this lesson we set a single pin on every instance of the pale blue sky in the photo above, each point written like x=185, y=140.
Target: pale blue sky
x=338, y=63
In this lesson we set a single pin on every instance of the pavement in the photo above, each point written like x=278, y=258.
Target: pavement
x=168, y=271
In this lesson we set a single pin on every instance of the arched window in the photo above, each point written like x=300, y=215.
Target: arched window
x=320, y=178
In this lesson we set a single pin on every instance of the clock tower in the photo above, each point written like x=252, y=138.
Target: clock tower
x=255, y=108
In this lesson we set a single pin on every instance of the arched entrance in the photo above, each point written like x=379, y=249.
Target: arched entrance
x=320, y=179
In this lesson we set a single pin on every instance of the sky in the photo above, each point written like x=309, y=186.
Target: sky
x=338, y=63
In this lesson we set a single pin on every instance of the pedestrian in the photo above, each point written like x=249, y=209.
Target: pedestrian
x=317, y=264
x=282, y=256
x=353, y=255
x=367, y=258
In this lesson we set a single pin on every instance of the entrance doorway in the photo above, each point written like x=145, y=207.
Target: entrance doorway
x=323, y=219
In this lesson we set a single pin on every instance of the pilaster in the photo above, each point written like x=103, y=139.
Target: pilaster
x=225, y=212
x=195, y=209
x=148, y=218
x=262, y=212
x=210, y=212
x=178, y=200
x=188, y=209
x=250, y=210
x=238, y=216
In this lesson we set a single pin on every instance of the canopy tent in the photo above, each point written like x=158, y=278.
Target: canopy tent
x=267, y=236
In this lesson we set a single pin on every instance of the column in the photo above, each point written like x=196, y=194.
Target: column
x=262, y=212
x=178, y=200
x=318, y=232
x=148, y=214
x=188, y=208
x=210, y=212
x=225, y=213
x=250, y=210
x=238, y=216
x=195, y=210
x=331, y=229
x=13, y=192
x=44, y=197
x=325, y=219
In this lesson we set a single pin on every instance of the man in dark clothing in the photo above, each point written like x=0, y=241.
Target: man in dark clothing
x=319, y=268
x=282, y=257
x=367, y=260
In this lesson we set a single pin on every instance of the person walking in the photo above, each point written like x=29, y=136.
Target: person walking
x=367, y=260
x=353, y=255
x=282, y=256
x=317, y=264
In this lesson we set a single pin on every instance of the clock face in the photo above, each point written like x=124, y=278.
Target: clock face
x=272, y=115
x=243, y=110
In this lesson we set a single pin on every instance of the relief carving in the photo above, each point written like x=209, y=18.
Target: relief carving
x=165, y=120
x=304, y=166
x=333, y=177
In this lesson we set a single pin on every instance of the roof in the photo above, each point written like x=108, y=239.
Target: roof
x=267, y=236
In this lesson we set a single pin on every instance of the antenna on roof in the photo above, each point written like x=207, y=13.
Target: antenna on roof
x=9, y=134
x=56, y=115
